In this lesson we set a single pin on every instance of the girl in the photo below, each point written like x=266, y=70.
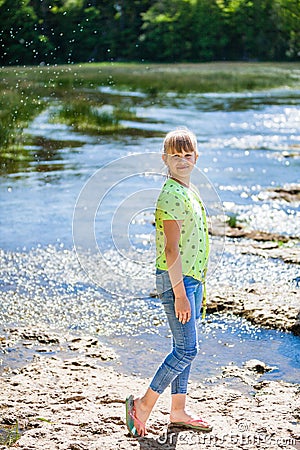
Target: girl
x=182, y=249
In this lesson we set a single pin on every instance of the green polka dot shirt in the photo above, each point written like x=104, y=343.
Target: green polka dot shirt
x=177, y=202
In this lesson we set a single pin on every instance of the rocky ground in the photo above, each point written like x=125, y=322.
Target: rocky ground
x=76, y=403
x=267, y=306
x=259, y=242
x=273, y=305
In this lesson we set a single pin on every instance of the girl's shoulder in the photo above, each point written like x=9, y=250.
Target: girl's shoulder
x=173, y=191
x=173, y=187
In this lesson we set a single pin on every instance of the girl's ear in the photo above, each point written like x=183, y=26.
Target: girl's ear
x=164, y=158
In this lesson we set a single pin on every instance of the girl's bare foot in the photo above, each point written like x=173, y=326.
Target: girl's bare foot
x=141, y=416
x=182, y=418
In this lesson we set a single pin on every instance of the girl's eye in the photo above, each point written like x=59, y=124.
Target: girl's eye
x=178, y=157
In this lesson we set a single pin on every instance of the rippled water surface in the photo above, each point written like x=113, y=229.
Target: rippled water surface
x=247, y=142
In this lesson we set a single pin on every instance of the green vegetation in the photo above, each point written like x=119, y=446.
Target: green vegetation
x=232, y=220
x=71, y=31
x=59, y=81
x=9, y=435
x=16, y=111
x=25, y=91
x=84, y=117
x=42, y=419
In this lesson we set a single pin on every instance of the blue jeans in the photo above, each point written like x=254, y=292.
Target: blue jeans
x=175, y=369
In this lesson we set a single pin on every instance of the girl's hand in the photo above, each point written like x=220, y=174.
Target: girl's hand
x=182, y=309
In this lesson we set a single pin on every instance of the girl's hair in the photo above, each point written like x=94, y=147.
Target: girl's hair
x=180, y=140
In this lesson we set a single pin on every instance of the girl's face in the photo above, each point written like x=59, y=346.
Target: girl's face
x=180, y=164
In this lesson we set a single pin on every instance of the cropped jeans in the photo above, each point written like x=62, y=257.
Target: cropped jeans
x=175, y=369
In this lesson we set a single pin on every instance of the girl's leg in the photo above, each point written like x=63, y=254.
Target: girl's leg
x=194, y=293
x=179, y=359
x=178, y=406
x=177, y=363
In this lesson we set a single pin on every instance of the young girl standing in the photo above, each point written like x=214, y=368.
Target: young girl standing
x=182, y=249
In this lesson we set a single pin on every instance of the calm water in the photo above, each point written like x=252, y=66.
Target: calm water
x=247, y=143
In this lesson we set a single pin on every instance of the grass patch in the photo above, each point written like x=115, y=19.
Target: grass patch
x=155, y=78
x=84, y=117
x=16, y=111
x=88, y=117
x=232, y=221
x=9, y=435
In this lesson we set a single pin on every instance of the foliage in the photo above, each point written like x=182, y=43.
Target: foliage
x=10, y=435
x=83, y=116
x=21, y=42
x=232, y=221
x=69, y=31
x=16, y=110
x=255, y=28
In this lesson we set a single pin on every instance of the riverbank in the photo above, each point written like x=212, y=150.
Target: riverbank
x=75, y=403
x=78, y=89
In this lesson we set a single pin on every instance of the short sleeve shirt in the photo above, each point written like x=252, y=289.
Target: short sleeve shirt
x=177, y=202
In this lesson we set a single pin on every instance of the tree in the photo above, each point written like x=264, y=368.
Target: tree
x=289, y=12
x=67, y=31
x=254, y=29
x=21, y=41
x=208, y=30
x=166, y=31
x=128, y=22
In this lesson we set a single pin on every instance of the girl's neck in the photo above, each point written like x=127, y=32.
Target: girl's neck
x=185, y=183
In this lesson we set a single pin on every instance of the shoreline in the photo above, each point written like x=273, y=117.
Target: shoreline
x=262, y=305
x=73, y=403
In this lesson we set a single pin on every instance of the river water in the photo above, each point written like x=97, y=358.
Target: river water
x=77, y=235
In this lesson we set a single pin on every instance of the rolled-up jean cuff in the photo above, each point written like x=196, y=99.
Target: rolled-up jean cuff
x=157, y=391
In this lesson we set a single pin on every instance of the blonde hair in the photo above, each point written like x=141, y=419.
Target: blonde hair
x=180, y=140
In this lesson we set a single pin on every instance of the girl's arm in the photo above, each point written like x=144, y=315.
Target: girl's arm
x=172, y=236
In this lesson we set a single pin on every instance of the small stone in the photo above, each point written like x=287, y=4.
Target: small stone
x=76, y=447
x=257, y=366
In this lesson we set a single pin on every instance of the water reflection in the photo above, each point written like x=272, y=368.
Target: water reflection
x=42, y=155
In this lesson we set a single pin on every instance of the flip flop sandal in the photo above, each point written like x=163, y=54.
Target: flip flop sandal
x=131, y=418
x=195, y=424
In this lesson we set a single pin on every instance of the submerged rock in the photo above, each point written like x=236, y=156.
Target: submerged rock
x=249, y=373
x=257, y=366
x=295, y=328
x=288, y=193
x=290, y=255
x=220, y=227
